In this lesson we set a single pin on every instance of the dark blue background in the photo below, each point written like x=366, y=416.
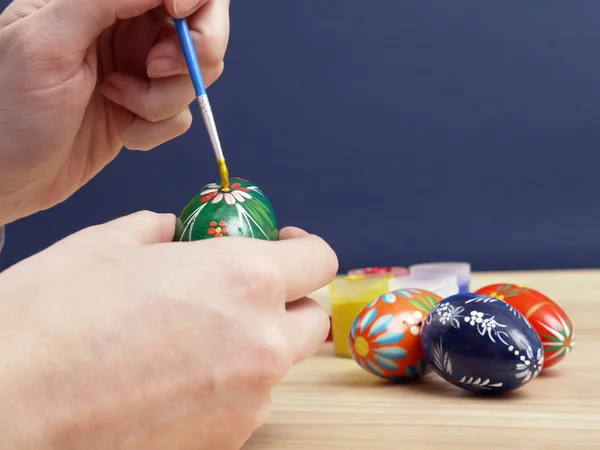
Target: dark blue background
x=400, y=131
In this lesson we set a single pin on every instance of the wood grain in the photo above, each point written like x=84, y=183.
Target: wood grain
x=330, y=403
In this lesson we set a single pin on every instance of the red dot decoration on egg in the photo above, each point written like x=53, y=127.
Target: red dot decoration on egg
x=547, y=318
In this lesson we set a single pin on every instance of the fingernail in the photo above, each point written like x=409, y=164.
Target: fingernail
x=184, y=7
x=111, y=92
x=163, y=67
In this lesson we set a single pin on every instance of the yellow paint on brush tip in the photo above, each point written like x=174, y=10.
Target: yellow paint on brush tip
x=224, y=172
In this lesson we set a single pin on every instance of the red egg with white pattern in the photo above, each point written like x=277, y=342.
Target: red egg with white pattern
x=547, y=318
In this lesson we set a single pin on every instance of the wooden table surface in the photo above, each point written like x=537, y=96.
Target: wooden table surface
x=331, y=403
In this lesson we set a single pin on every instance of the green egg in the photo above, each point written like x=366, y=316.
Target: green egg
x=241, y=210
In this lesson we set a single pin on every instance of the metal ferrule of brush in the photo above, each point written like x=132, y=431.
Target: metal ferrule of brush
x=209, y=121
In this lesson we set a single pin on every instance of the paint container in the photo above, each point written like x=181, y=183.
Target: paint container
x=462, y=271
x=348, y=296
x=393, y=271
x=443, y=285
x=323, y=295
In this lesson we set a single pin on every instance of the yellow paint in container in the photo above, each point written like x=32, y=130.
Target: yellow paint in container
x=349, y=295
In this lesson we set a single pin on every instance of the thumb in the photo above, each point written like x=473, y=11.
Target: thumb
x=140, y=228
x=80, y=22
x=291, y=233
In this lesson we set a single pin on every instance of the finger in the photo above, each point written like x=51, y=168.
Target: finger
x=140, y=134
x=306, y=326
x=291, y=233
x=140, y=228
x=209, y=29
x=306, y=263
x=76, y=24
x=152, y=100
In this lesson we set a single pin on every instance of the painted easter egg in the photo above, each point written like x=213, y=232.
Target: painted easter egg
x=239, y=210
x=481, y=344
x=549, y=320
x=385, y=337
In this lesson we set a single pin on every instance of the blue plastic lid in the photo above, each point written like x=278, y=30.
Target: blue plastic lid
x=1, y=238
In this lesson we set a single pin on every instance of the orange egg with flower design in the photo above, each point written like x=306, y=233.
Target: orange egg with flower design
x=385, y=338
x=547, y=318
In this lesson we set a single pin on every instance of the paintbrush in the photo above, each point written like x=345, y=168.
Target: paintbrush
x=191, y=59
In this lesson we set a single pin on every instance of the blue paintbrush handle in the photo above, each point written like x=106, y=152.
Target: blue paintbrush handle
x=196, y=75
x=190, y=56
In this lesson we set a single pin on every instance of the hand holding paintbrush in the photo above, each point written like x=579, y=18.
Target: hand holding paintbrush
x=84, y=79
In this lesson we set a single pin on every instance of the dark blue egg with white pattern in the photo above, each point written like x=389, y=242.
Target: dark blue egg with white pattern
x=481, y=344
